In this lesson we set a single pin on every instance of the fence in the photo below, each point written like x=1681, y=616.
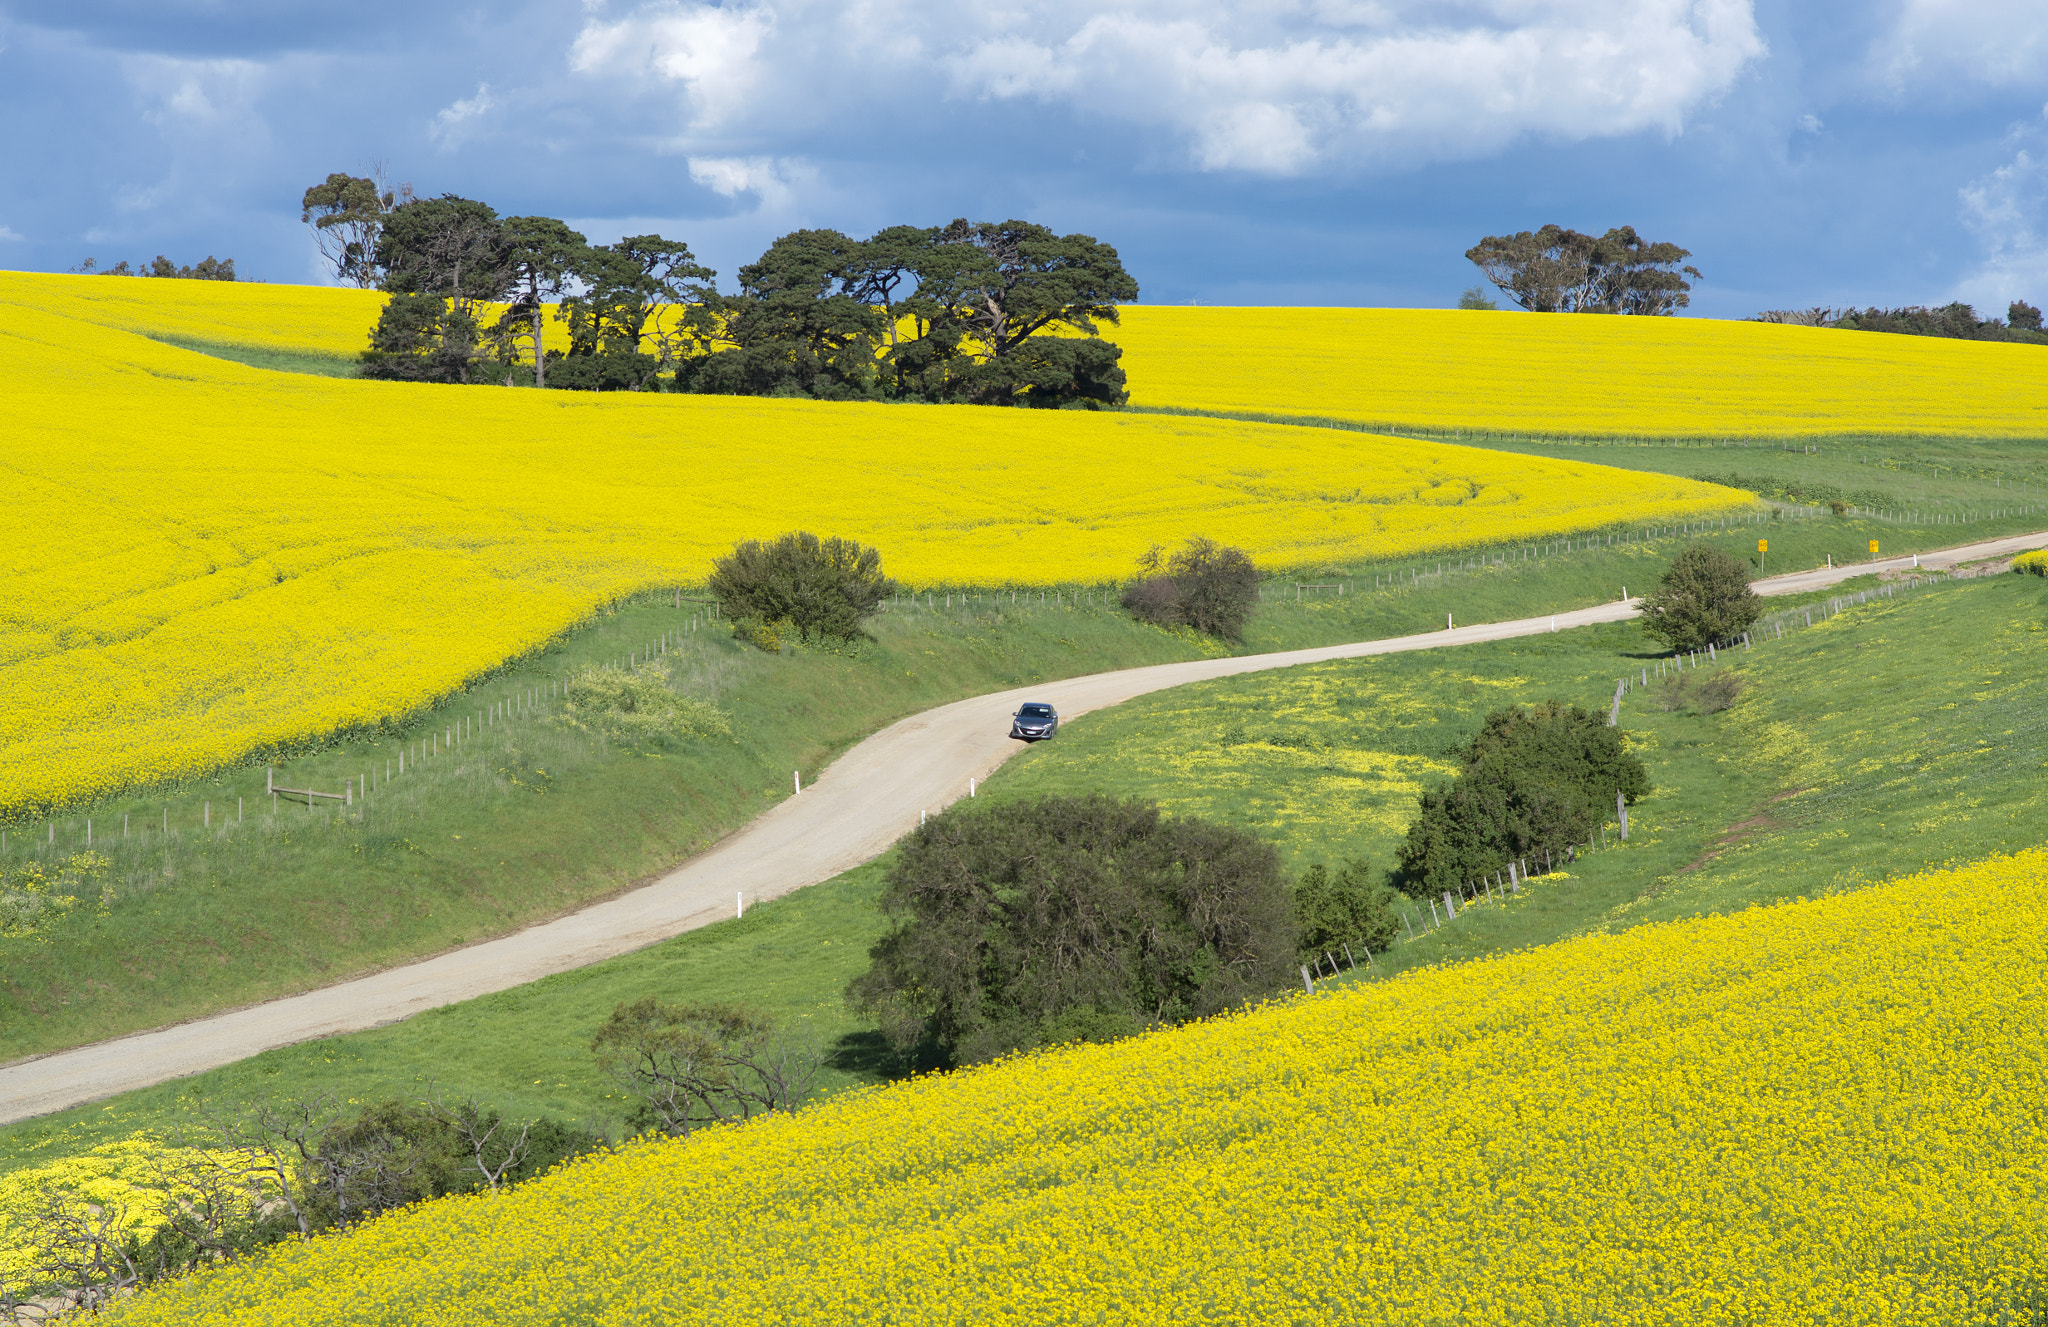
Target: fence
x=1506, y=881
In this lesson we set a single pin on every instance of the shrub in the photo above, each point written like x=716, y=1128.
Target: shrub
x=1703, y=596
x=2032, y=564
x=635, y=708
x=422, y=338
x=697, y=1064
x=1532, y=782
x=1071, y=918
x=611, y=371
x=820, y=587
x=1205, y=585
x=1345, y=906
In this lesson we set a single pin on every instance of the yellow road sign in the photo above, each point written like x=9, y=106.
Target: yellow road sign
x=1763, y=545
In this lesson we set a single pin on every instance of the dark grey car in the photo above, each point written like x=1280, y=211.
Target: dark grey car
x=1034, y=721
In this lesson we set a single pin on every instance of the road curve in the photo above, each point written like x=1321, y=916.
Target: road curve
x=864, y=802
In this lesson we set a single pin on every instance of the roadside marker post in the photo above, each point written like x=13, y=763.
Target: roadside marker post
x=1763, y=546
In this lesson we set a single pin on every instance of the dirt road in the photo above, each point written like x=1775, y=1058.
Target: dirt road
x=863, y=803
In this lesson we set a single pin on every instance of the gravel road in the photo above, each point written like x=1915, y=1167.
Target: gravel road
x=863, y=803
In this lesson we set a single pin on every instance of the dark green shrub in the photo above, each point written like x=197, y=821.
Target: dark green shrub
x=1703, y=597
x=1205, y=585
x=422, y=337
x=820, y=587
x=1534, y=781
x=1340, y=907
x=1071, y=918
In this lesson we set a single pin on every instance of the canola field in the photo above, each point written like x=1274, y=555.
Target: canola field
x=1437, y=369
x=205, y=561
x=1579, y=374
x=1822, y=1112
x=321, y=320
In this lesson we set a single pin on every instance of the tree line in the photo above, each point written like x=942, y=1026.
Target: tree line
x=983, y=312
x=208, y=268
x=1958, y=321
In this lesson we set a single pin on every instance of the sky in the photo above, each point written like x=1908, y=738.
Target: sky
x=1342, y=152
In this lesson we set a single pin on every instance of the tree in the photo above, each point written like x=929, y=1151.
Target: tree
x=797, y=327
x=545, y=256
x=643, y=289
x=1555, y=270
x=441, y=258
x=2023, y=317
x=1042, y=920
x=985, y=289
x=1634, y=275
x=1532, y=782
x=422, y=337
x=1474, y=297
x=1703, y=597
x=1204, y=585
x=347, y=215
x=822, y=587
x=208, y=268
x=698, y=1064
x=1342, y=907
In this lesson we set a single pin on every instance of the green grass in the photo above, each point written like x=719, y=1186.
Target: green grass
x=516, y=824
x=262, y=357
x=523, y=822
x=1892, y=738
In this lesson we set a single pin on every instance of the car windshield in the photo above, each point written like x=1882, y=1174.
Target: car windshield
x=1037, y=711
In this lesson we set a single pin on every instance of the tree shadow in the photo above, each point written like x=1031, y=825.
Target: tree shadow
x=870, y=1055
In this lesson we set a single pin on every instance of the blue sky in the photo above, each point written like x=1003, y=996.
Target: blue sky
x=1261, y=151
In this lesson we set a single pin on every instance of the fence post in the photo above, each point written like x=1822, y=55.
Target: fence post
x=1621, y=810
x=1308, y=983
x=1450, y=908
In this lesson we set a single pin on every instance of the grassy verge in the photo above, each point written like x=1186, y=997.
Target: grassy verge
x=213, y=900
x=264, y=357
x=1893, y=737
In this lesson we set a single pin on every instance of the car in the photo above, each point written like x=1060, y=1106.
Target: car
x=1034, y=721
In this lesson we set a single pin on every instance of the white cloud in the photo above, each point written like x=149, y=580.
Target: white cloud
x=2007, y=210
x=10, y=233
x=1811, y=124
x=458, y=120
x=207, y=94
x=708, y=49
x=1999, y=43
x=774, y=182
x=1273, y=86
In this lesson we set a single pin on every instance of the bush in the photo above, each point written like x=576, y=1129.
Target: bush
x=1071, y=918
x=613, y=371
x=2032, y=564
x=1205, y=585
x=820, y=587
x=698, y=1064
x=1704, y=596
x=1345, y=906
x=635, y=709
x=1533, y=781
x=423, y=338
